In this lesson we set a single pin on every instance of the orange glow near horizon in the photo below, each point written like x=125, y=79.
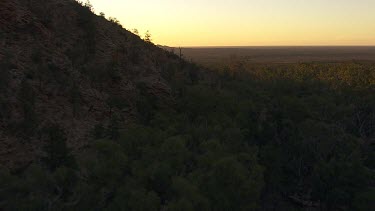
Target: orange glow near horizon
x=247, y=22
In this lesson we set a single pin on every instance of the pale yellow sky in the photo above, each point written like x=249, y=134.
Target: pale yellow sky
x=247, y=22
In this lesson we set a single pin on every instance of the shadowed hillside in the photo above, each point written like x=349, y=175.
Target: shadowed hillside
x=92, y=117
x=62, y=64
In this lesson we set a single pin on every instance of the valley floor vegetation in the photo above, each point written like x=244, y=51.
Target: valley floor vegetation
x=239, y=137
x=286, y=138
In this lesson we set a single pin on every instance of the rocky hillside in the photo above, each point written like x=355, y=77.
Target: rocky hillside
x=61, y=64
x=94, y=118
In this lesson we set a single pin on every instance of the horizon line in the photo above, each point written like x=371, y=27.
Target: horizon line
x=254, y=46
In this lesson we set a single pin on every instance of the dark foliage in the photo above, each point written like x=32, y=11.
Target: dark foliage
x=238, y=144
x=271, y=137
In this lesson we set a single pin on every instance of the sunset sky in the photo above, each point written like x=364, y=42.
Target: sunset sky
x=247, y=22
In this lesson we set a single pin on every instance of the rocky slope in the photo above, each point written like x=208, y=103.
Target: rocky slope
x=61, y=64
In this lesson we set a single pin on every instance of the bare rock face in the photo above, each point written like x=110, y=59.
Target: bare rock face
x=61, y=64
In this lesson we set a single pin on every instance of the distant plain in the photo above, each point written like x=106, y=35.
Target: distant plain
x=213, y=56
